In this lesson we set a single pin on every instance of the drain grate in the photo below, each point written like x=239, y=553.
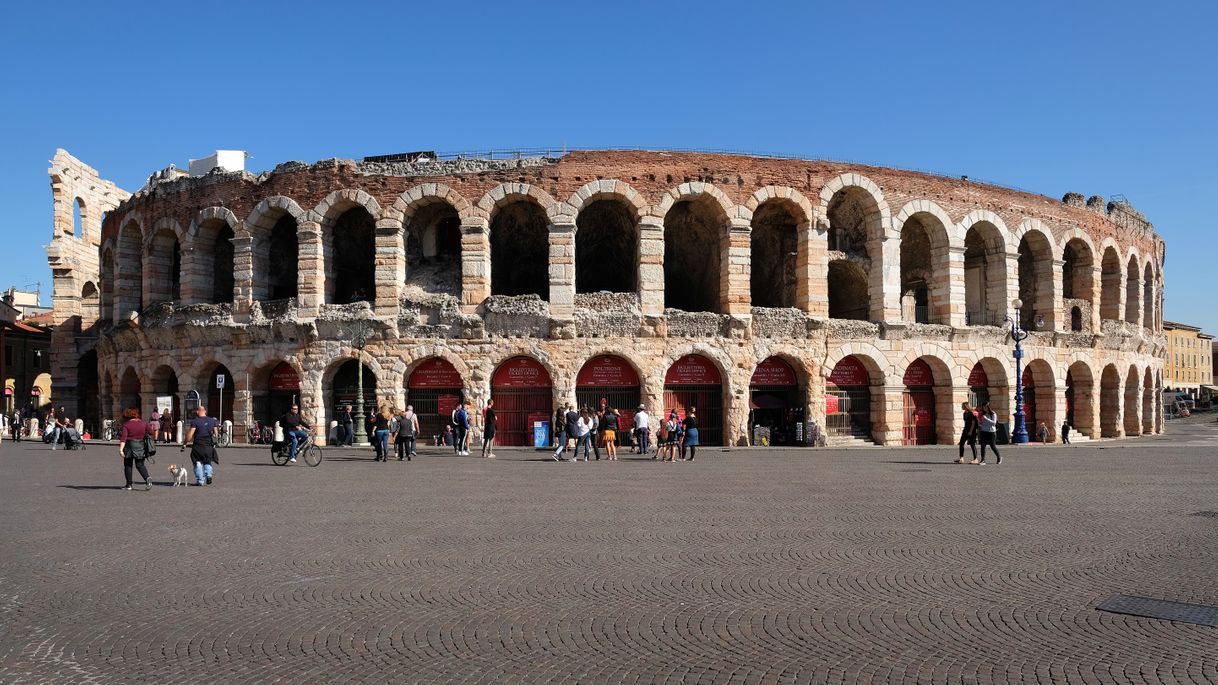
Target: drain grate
x=1148, y=607
x=1206, y=514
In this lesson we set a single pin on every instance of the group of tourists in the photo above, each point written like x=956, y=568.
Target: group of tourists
x=56, y=427
x=980, y=422
x=587, y=430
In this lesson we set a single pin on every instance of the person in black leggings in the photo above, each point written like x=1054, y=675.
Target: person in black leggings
x=131, y=446
x=988, y=424
x=969, y=435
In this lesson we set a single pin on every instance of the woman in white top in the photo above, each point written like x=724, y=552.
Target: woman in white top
x=987, y=424
x=583, y=435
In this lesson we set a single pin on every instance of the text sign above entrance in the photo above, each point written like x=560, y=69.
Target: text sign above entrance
x=692, y=369
x=435, y=373
x=774, y=371
x=850, y=371
x=284, y=378
x=607, y=371
x=521, y=372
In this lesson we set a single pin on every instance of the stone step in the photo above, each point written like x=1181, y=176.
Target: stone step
x=849, y=441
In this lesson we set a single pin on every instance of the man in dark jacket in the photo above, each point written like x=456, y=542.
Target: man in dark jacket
x=346, y=426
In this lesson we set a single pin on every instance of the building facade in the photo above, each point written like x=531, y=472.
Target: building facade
x=1190, y=360
x=762, y=291
x=25, y=362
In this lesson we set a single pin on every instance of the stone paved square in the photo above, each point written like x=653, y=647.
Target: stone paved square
x=765, y=566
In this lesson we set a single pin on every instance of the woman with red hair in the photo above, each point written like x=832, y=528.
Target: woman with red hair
x=131, y=446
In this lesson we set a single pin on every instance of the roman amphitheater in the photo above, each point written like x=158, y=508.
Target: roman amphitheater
x=769, y=293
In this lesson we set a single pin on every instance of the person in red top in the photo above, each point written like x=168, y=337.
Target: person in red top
x=131, y=446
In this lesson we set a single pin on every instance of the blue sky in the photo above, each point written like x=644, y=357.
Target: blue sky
x=1100, y=98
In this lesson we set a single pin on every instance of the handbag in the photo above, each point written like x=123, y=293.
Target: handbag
x=149, y=447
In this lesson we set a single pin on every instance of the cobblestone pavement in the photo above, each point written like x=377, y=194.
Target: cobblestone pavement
x=883, y=565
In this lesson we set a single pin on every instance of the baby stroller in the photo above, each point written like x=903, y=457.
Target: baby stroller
x=72, y=439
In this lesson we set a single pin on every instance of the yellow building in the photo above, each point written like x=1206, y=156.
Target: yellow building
x=1189, y=359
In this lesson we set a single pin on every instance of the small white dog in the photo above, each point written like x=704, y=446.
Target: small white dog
x=179, y=475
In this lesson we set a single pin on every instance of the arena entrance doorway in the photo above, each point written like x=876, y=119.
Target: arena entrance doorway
x=523, y=394
x=777, y=403
x=848, y=400
x=978, y=386
x=283, y=390
x=694, y=381
x=434, y=389
x=216, y=397
x=344, y=389
x=1029, y=404
x=919, y=404
x=610, y=381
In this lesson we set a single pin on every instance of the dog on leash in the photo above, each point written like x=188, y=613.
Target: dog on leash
x=179, y=475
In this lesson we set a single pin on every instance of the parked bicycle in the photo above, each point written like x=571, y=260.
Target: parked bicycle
x=282, y=451
x=259, y=434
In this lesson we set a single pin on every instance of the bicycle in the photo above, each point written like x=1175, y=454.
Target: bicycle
x=225, y=438
x=110, y=432
x=259, y=434
x=282, y=452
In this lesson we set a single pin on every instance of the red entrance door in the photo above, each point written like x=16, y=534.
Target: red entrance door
x=522, y=390
x=919, y=403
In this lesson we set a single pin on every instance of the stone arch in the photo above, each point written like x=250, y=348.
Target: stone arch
x=1148, y=296
x=421, y=354
x=130, y=389
x=1133, y=402
x=593, y=191
x=878, y=225
x=1040, y=403
x=1081, y=261
x=506, y=193
x=1110, y=402
x=163, y=261
x=106, y=277
x=79, y=217
x=694, y=190
x=925, y=262
x=129, y=267
x=1036, y=274
x=998, y=386
x=267, y=211
x=942, y=365
x=801, y=207
x=1133, y=291
x=607, y=237
x=777, y=247
x=696, y=236
x=877, y=362
x=1080, y=398
x=653, y=379
x=1111, y=278
x=519, y=236
x=209, y=261
x=350, y=262
x=426, y=194
x=1148, y=402
x=272, y=228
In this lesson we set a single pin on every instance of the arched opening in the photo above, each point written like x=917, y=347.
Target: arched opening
x=130, y=265
x=1076, y=319
x=1036, y=278
x=1110, y=402
x=1080, y=386
x=433, y=251
x=1039, y=399
x=523, y=394
x=918, y=402
x=1110, y=285
x=520, y=252
x=1148, y=403
x=1148, y=300
x=607, y=381
x=1132, y=291
x=88, y=406
x=212, y=258
x=848, y=295
x=1077, y=267
x=129, y=391
x=1133, y=403
x=848, y=411
x=988, y=382
x=434, y=389
x=774, y=249
x=165, y=391
x=164, y=267
x=694, y=382
x=985, y=275
x=694, y=234
x=106, y=302
x=351, y=262
x=606, y=248
x=221, y=395
x=78, y=218
x=276, y=387
x=777, y=402
x=924, y=278
x=344, y=389
x=89, y=302
x=282, y=257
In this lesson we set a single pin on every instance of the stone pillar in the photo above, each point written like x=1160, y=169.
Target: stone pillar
x=1136, y=286
x=1059, y=408
x=949, y=290
x=812, y=272
x=562, y=271
x=243, y=272
x=1012, y=291
x=888, y=402
x=651, y=265
x=1094, y=295
x=735, y=292
x=311, y=274
x=390, y=267
x=1053, y=317
x=949, y=417
x=243, y=412
x=1132, y=406
x=475, y=263
x=884, y=279
x=736, y=396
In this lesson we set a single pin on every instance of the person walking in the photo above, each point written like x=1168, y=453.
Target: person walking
x=17, y=426
x=131, y=446
x=1065, y=433
x=573, y=429
x=560, y=434
x=595, y=433
x=690, y=442
x=1043, y=432
x=166, y=424
x=969, y=434
x=642, y=422
x=202, y=438
x=407, y=433
x=463, y=429
x=488, y=430
x=346, y=426
x=609, y=433
x=583, y=434
x=380, y=425
x=987, y=422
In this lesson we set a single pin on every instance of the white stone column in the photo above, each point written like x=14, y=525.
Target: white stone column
x=311, y=275
x=562, y=271
x=735, y=291
x=950, y=289
x=1053, y=300
x=884, y=279
x=243, y=272
x=390, y=267
x=475, y=263
x=651, y=265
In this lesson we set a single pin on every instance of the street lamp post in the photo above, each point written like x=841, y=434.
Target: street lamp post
x=1019, y=435
x=360, y=330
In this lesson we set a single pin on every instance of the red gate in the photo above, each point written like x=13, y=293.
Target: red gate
x=919, y=405
x=522, y=391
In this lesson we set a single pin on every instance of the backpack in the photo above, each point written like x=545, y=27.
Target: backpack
x=664, y=430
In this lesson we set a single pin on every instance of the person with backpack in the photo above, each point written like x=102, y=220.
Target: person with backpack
x=406, y=431
x=201, y=435
x=133, y=446
x=665, y=445
x=560, y=434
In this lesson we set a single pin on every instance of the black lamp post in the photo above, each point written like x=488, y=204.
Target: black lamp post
x=360, y=330
x=1019, y=436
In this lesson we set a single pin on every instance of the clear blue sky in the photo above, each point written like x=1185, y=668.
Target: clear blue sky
x=1102, y=98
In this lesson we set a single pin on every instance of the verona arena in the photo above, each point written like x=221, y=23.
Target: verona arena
x=765, y=291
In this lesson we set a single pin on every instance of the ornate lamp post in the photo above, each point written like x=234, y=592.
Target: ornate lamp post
x=360, y=330
x=1019, y=435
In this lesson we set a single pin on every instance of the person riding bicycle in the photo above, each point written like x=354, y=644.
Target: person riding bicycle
x=294, y=425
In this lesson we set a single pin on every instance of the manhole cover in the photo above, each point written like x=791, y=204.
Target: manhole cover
x=1206, y=514
x=1148, y=607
